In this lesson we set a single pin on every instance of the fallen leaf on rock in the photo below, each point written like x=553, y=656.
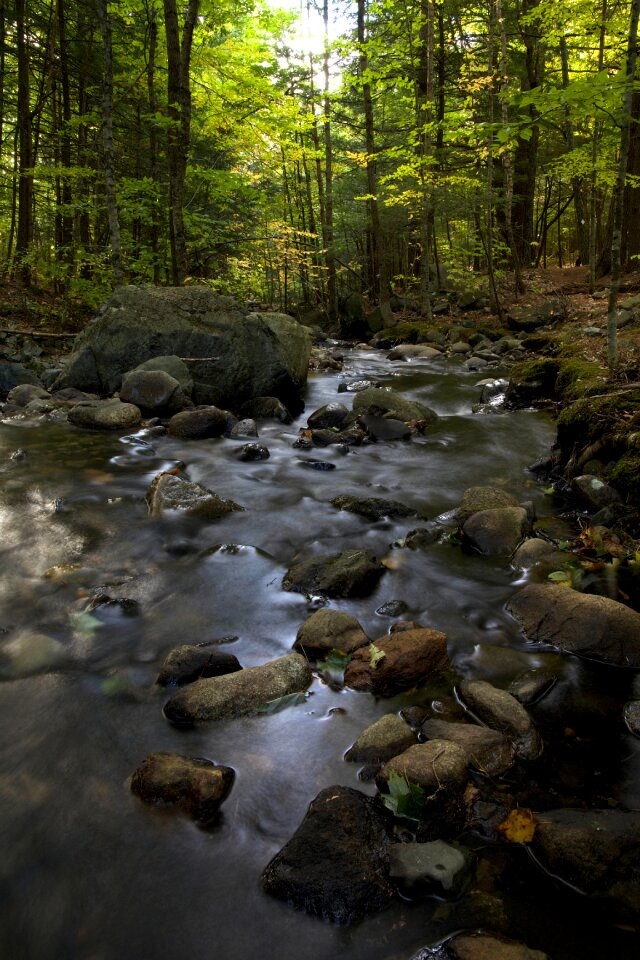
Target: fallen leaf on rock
x=519, y=826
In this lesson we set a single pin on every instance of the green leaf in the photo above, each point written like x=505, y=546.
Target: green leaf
x=281, y=703
x=405, y=799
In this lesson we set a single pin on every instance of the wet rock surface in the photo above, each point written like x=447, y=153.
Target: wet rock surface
x=481, y=946
x=384, y=739
x=397, y=661
x=152, y=390
x=372, y=508
x=198, y=424
x=353, y=573
x=195, y=786
x=488, y=751
x=105, y=415
x=496, y=532
x=500, y=711
x=188, y=663
x=327, y=630
x=336, y=866
x=171, y=494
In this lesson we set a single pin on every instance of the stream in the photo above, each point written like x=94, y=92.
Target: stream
x=88, y=871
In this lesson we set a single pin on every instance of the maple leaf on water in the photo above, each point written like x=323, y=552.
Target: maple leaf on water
x=519, y=826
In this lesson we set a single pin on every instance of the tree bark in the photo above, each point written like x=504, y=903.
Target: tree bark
x=332, y=290
x=24, y=233
x=107, y=141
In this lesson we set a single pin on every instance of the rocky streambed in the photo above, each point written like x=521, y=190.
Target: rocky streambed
x=304, y=685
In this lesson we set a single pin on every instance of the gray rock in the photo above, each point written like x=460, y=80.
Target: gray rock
x=239, y=694
x=500, y=711
x=336, y=864
x=236, y=356
x=193, y=785
x=387, y=403
x=483, y=498
x=330, y=415
x=12, y=374
x=497, y=532
x=529, y=319
x=488, y=751
x=168, y=493
x=385, y=428
x=386, y=738
x=439, y=868
x=243, y=428
x=533, y=552
x=252, y=452
x=187, y=663
x=352, y=573
x=410, y=656
x=198, y=424
x=327, y=630
x=460, y=347
x=152, y=390
x=593, y=493
x=411, y=351
x=24, y=393
x=266, y=408
x=373, y=508
x=595, y=851
x=175, y=367
x=585, y=624
x=105, y=415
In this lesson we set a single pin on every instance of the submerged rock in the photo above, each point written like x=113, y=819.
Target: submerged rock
x=373, y=508
x=500, y=711
x=595, y=851
x=584, y=624
x=408, y=658
x=239, y=694
x=188, y=663
x=28, y=652
x=352, y=573
x=110, y=414
x=386, y=738
x=336, y=864
x=327, y=630
x=195, y=786
x=488, y=751
x=434, y=868
x=170, y=493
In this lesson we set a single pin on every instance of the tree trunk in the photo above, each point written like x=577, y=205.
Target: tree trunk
x=630, y=228
x=576, y=182
x=332, y=291
x=526, y=154
x=24, y=233
x=618, y=194
x=107, y=141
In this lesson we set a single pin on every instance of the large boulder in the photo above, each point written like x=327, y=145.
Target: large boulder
x=594, y=627
x=232, y=355
x=336, y=865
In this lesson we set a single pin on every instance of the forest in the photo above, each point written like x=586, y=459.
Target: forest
x=406, y=142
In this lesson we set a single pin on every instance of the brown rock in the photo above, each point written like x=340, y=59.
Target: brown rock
x=410, y=656
x=500, y=711
x=487, y=750
x=327, y=630
x=196, y=786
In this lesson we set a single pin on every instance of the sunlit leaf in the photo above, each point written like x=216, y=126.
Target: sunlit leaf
x=519, y=826
x=375, y=655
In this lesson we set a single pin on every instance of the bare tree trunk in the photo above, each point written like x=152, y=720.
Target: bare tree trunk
x=25, y=148
x=618, y=194
x=593, y=204
x=508, y=159
x=576, y=183
x=332, y=291
x=107, y=141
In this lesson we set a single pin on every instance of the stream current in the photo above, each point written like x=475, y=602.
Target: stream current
x=86, y=870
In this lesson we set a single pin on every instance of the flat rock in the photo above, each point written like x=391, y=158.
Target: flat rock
x=387, y=403
x=239, y=694
x=110, y=414
x=352, y=573
x=386, y=738
x=195, y=786
x=488, y=751
x=373, y=508
x=168, y=493
x=410, y=656
x=496, y=532
x=483, y=498
x=437, y=868
x=336, y=864
x=597, y=851
x=500, y=711
x=198, y=424
x=188, y=662
x=327, y=630
x=585, y=624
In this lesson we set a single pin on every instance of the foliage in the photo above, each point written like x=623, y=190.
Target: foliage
x=404, y=799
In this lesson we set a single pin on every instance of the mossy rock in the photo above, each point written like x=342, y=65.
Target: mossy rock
x=591, y=418
x=578, y=378
x=625, y=476
x=532, y=380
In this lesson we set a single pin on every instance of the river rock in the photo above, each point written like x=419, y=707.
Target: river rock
x=336, y=864
x=239, y=694
x=593, y=493
x=331, y=415
x=380, y=402
x=382, y=740
x=373, y=508
x=532, y=685
x=488, y=751
x=385, y=428
x=412, y=351
x=193, y=785
x=327, y=630
x=500, y=711
x=496, y=532
x=535, y=551
x=480, y=946
x=352, y=573
x=110, y=414
x=439, y=768
x=436, y=868
x=585, y=624
x=475, y=499
x=243, y=428
x=170, y=493
x=188, y=662
x=199, y=424
x=410, y=656
x=597, y=851
x=631, y=716
x=12, y=374
x=266, y=408
x=28, y=652
x=173, y=366
x=233, y=356
x=252, y=452
x=152, y=390
x=24, y=393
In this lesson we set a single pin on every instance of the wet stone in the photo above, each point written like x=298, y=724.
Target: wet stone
x=397, y=661
x=320, y=465
x=352, y=573
x=152, y=390
x=500, y=711
x=195, y=786
x=532, y=686
x=385, y=428
x=266, y=408
x=355, y=386
x=480, y=946
x=254, y=451
x=169, y=493
x=392, y=608
x=198, y=424
x=631, y=716
x=382, y=740
x=328, y=416
x=373, y=508
x=327, y=630
x=243, y=428
x=381, y=403
x=188, y=663
x=105, y=415
x=488, y=751
x=496, y=532
x=435, y=868
x=483, y=498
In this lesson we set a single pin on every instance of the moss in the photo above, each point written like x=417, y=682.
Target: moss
x=530, y=381
x=578, y=378
x=625, y=476
x=592, y=418
x=546, y=343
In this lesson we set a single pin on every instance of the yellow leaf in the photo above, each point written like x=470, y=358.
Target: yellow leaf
x=519, y=826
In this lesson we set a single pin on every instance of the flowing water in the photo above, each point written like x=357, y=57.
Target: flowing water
x=87, y=871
